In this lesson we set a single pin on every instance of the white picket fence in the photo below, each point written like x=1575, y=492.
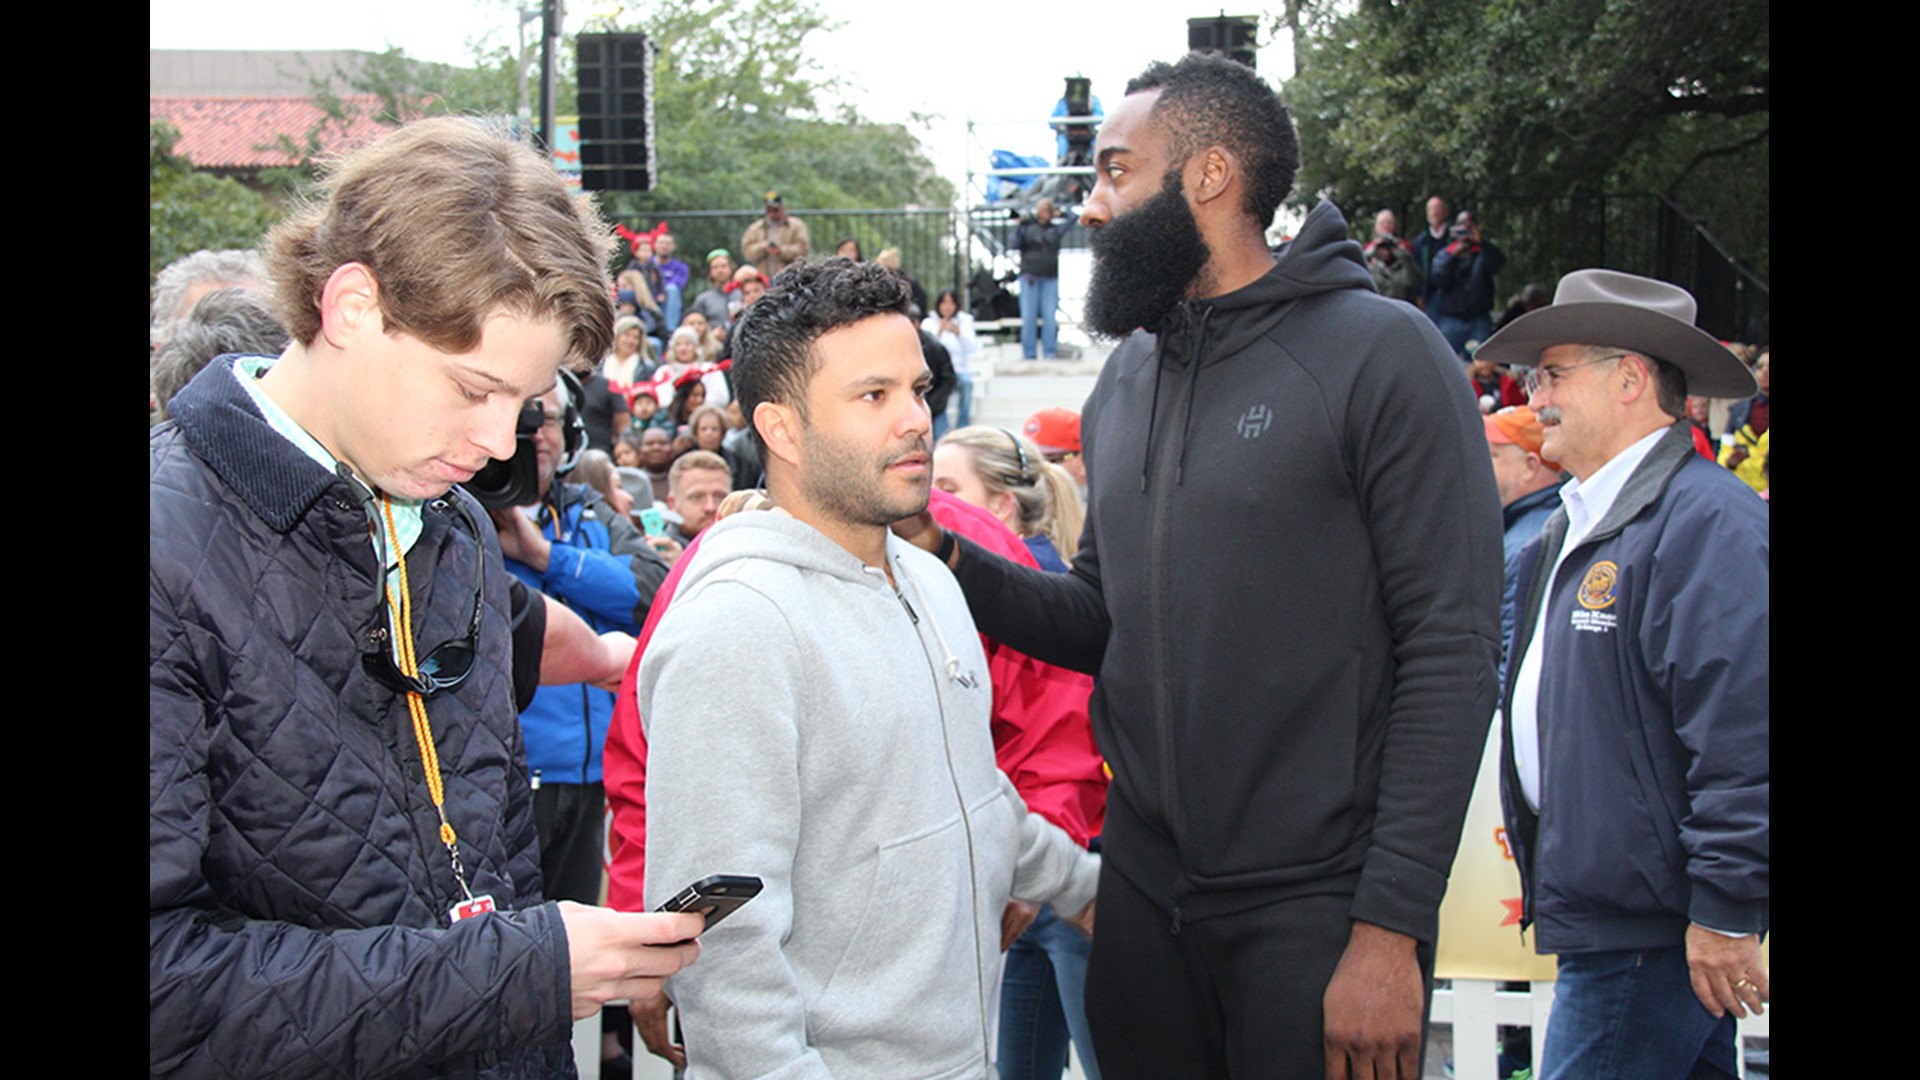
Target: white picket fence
x=1474, y=1008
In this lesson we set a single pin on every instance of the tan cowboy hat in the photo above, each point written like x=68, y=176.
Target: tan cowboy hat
x=1607, y=307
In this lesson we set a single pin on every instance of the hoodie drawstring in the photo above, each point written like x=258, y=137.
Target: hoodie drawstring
x=1153, y=412
x=952, y=664
x=1194, y=351
x=1195, y=316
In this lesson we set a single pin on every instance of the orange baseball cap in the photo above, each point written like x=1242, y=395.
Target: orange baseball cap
x=1055, y=431
x=1516, y=425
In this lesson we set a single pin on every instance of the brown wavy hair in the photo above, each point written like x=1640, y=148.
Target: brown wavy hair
x=456, y=223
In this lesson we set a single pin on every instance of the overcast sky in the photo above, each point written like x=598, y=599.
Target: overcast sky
x=951, y=60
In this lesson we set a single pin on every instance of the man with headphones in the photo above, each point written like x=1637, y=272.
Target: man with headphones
x=573, y=547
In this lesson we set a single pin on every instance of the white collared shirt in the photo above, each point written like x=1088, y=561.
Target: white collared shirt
x=1587, y=503
x=407, y=521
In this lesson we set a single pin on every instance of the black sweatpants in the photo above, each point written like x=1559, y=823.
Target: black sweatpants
x=1231, y=996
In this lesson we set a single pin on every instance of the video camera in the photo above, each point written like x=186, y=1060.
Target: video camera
x=516, y=481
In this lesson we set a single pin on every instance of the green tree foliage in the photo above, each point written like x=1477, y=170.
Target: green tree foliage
x=737, y=111
x=189, y=210
x=404, y=89
x=1479, y=99
x=409, y=89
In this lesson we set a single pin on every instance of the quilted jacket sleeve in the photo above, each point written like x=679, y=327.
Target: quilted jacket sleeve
x=232, y=995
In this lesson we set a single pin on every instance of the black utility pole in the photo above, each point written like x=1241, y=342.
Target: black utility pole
x=551, y=13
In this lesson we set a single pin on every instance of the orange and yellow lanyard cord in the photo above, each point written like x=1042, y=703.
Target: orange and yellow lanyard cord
x=402, y=618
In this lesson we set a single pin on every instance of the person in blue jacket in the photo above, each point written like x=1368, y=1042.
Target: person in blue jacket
x=1460, y=284
x=1529, y=493
x=576, y=549
x=1636, y=771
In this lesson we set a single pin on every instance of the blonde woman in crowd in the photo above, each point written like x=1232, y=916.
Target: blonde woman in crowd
x=1006, y=475
x=631, y=361
x=683, y=349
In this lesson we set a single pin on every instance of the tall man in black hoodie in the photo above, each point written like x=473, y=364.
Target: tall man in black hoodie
x=1289, y=587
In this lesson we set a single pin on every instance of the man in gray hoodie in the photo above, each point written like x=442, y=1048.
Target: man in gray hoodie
x=848, y=760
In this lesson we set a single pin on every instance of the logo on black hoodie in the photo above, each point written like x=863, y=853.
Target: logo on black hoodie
x=1255, y=423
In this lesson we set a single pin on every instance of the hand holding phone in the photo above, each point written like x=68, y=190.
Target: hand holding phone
x=652, y=522
x=619, y=954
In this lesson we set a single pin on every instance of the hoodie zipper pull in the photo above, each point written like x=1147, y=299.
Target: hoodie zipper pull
x=904, y=604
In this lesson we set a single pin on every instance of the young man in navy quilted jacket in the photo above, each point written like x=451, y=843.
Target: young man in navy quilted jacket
x=344, y=875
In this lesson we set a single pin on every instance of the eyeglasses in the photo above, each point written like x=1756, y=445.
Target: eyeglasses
x=1062, y=457
x=448, y=664
x=1539, y=378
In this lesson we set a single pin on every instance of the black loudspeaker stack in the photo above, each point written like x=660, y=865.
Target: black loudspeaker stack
x=616, y=112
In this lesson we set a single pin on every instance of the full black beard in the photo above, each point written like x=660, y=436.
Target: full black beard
x=1144, y=262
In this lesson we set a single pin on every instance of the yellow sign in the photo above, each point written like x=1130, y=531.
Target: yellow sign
x=1480, y=918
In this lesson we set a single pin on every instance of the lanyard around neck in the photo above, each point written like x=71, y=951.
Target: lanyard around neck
x=400, y=614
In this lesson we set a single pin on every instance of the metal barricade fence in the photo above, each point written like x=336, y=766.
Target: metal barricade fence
x=930, y=246
x=1546, y=237
x=1543, y=238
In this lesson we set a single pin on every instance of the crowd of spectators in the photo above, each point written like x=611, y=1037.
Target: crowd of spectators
x=1447, y=270
x=663, y=441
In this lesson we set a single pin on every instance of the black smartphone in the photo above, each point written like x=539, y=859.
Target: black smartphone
x=715, y=896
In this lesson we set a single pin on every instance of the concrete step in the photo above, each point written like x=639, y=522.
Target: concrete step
x=1008, y=389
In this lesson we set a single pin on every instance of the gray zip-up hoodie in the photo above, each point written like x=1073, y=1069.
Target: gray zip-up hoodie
x=844, y=757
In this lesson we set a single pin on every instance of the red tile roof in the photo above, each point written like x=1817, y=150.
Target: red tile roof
x=240, y=132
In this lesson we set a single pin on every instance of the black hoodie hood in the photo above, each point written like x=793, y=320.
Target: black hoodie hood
x=1321, y=258
x=1199, y=333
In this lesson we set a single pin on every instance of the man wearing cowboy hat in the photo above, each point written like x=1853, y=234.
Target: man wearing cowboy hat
x=1635, y=763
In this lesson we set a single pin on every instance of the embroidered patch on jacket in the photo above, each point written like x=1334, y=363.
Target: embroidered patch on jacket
x=1597, y=590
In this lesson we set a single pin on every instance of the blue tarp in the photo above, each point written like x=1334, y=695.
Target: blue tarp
x=998, y=187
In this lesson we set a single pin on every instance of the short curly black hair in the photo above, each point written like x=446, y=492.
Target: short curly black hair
x=1207, y=100
x=773, y=357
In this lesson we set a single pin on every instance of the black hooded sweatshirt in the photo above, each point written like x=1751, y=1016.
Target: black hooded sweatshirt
x=1289, y=587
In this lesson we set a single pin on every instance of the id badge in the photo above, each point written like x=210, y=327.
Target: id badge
x=467, y=909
